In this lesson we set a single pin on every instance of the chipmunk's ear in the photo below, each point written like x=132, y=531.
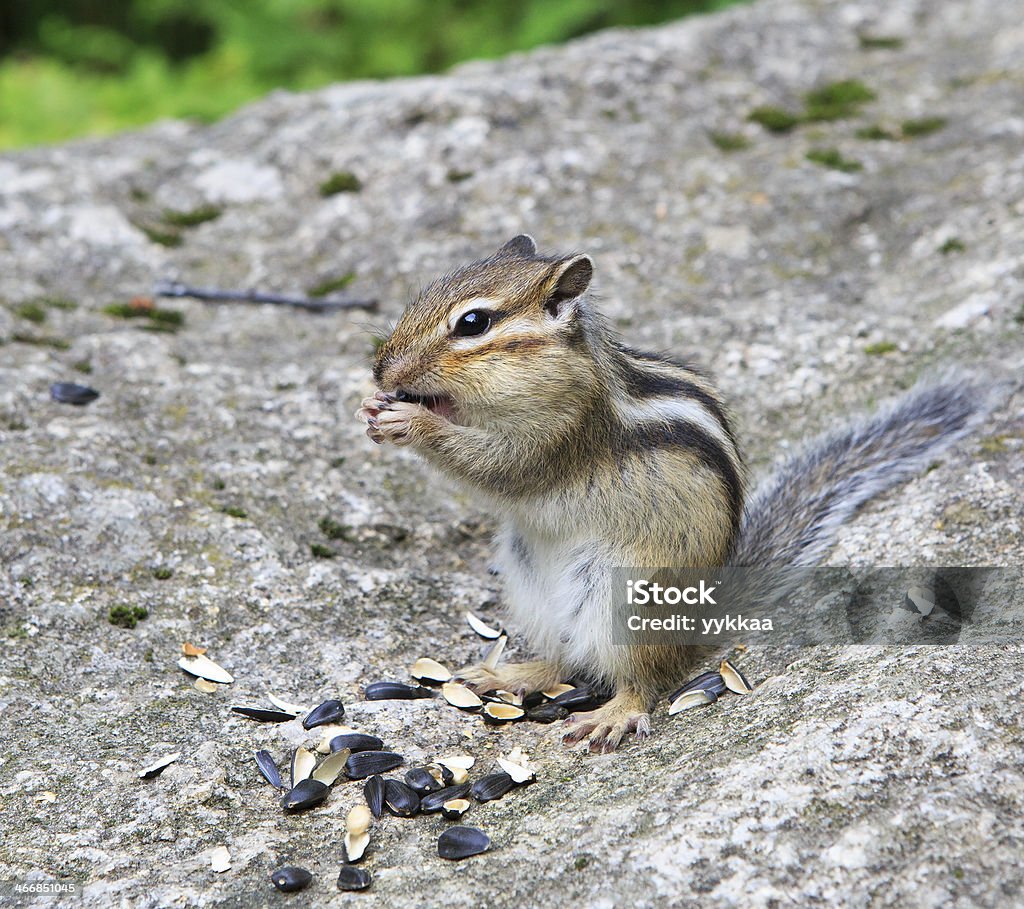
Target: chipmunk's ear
x=524, y=245
x=571, y=278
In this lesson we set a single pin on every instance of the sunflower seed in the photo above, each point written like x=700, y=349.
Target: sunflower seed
x=358, y=820
x=462, y=842
x=399, y=799
x=428, y=670
x=158, y=767
x=552, y=693
x=547, y=713
x=387, y=691
x=460, y=696
x=356, y=741
x=353, y=878
x=434, y=801
x=327, y=712
x=453, y=809
x=493, y=786
x=710, y=681
x=268, y=769
x=421, y=781
x=734, y=679
x=70, y=393
x=289, y=879
x=574, y=699
x=481, y=627
x=373, y=792
x=355, y=845
x=264, y=715
x=304, y=795
x=698, y=697
x=303, y=762
x=520, y=773
x=366, y=763
x=205, y=668
x=497, y=713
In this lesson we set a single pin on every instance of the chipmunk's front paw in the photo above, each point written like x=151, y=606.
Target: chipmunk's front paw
x=520, y=678
x=393, y=421
x=608, y=725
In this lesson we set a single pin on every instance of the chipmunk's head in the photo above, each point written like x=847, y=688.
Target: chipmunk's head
x=497, y=342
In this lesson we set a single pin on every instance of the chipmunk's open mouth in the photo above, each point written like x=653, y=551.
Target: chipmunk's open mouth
x=442, y=405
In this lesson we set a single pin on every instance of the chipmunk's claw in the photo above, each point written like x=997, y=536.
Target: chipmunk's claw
x=607, y=726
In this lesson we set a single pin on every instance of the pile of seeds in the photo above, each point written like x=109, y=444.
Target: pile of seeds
x=442, y=787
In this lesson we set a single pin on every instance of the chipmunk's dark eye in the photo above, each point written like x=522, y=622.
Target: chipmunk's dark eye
x=474, y=322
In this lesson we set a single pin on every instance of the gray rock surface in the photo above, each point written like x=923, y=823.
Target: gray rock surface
x=858, y=776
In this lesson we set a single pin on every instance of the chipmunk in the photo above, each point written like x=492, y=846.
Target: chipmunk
x=503, y=375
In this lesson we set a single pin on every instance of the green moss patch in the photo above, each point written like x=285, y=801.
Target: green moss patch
x=836, y=100
x=879, y=42
x=774, y=119
x=168, y=318
x=330, y=285
x=876, y=133
x=321, y=551
x=922, y=126
x=729, y=142
x=952, y=245
x=831, y=157
x=342, y=181
x=126, y=616
x=879, y=348
x=192, y=217
x=31, y=312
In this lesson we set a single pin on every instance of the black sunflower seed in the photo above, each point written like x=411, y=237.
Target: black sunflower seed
x=290, y=878
x=263, y=715
x=493, y=786
x=373, y=792
x=356, y=741
x=388, y=691
x=305, y=794
x=547, y=713
x=399, y=799
x=366, y=763
x=581, y=698
x=353, y=878
x=268, y=768
x=711, y=682
x=434, y=800
x=328, y=712
x=462, y=842
x=421, y=781
x=70, y=393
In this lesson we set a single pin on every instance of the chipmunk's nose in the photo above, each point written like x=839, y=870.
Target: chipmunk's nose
x=390, y=371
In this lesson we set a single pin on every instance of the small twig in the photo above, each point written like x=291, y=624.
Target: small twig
x=214, y=294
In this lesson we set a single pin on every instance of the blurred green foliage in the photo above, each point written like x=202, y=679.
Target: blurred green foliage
x=79, y=67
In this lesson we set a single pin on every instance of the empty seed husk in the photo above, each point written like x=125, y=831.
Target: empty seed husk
x=268, y=769
x=442, y=774
x=430, y=671
x=303, y=762
x=373, y=792
x=158, y=767
x=205, y=686
x=332, y=765
x=366, y=763
x=70, y=393
x=263, y=714
x=358, y=820
x=554, y=692
x=460, y=696
x=509, y=697
x=394, y=691
x=547, y=713
x=453, y=809
x=305, y=794
x=399, y=799
x=434, y=801
x=698, y=697
x=220, y=860
x=328, y=712
x=734, y=679
x=205, y=668
x=462, y=842
x=494, y=654
x=459, y=776
x=496, y=713
x=422, y=781
x=493, y=786
x=293, y=709
x=356, y=741
x=520, y=773
x=355, y=845
x=465, y=761
x=707, y=681
x=481, y=627
x=352, y=878
x=290, y=878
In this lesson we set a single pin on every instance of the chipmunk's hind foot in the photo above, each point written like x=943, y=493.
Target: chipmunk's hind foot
x=607, y=726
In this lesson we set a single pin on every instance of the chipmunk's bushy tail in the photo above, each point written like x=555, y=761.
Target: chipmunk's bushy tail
x=792, y=519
